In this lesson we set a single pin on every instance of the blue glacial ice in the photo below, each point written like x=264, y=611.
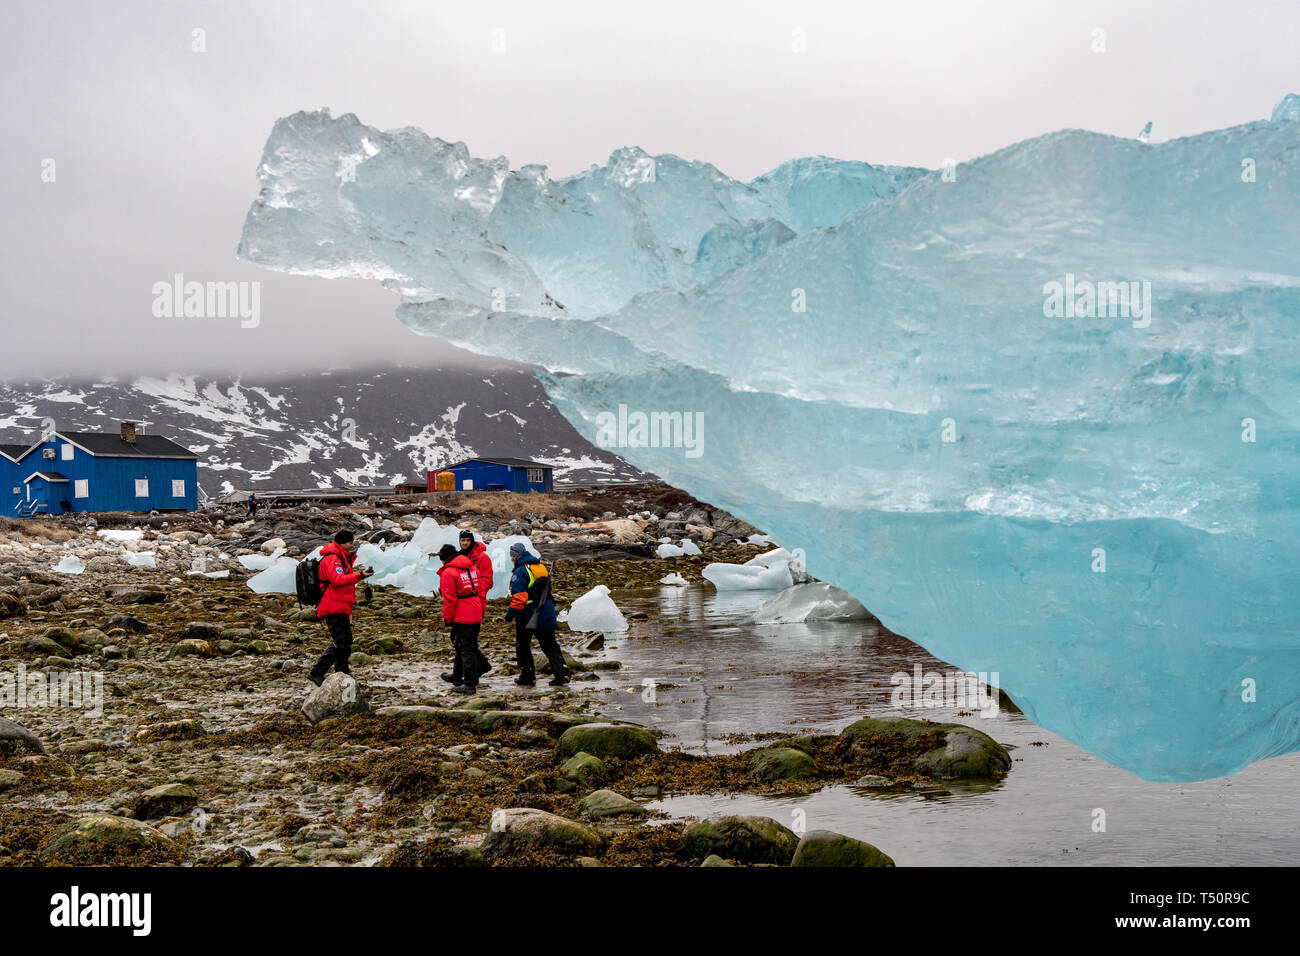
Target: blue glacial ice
x=1037, y=411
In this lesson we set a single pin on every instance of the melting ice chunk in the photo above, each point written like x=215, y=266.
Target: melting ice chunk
x=596, y=611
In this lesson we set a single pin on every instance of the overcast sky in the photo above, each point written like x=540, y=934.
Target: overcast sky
x=155, y=146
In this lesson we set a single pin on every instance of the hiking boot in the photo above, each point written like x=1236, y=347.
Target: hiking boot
x=464, y=689
x=558, y=681
x=316, y=679
x=484, y=666
x=523, y=681
x=450, y=678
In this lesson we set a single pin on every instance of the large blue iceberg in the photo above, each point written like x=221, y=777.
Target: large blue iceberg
x=1037, y=411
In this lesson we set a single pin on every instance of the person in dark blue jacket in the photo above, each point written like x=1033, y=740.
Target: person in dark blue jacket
x=533, y=610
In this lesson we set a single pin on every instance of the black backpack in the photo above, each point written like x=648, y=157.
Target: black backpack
x=306, y=579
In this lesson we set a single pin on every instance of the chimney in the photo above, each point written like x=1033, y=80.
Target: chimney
x=128, y=432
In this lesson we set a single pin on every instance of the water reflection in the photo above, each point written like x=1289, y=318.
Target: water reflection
x=715, y=674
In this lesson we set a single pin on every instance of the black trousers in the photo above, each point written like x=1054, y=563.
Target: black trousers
x=546, y=640
x=464, y=638
x=484, y=665
x=340, y=649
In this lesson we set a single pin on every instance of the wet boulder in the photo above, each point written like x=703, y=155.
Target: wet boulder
x=963, y=752
x=608, y=803
x=608, y=740
x=524, y=827
x=169, y=800
x=103, y=838
x=339, y=696
x=824, y=848
x=14, y=736
x=135, y=594
x=782, y=763
x=749, y=839
x=583, y=768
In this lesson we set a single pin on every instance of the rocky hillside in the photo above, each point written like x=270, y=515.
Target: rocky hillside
x=367, y=427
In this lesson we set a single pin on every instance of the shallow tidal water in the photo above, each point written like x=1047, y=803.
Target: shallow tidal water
x=715, y=674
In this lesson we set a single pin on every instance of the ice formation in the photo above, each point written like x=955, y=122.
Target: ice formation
x=1036, y=411
x=411, y=566
x=670, y=550
x=595, y=611
x=811, y=601
x=141, y=559
x=674, y=580
x=766, y=572
x=70, y=565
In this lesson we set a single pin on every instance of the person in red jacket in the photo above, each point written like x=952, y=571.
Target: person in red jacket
x=477, y=553
x=462, y=611
x=339, y=580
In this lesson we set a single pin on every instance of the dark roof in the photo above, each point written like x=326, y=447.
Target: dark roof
x=47, y=475
x=12, y=451
x=511, y=462
x=108, y=445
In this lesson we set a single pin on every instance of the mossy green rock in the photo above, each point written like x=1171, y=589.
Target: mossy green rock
x=526, y=827
x=44, y=645
x=607, y=740
x=966, y=752
x=104, y=836
x=824, y=848
x=745, y=838
x=715, y=860
x=782, y=763
x=9, y=779
x=169, y=800
x=607, y=803
x=583, y=768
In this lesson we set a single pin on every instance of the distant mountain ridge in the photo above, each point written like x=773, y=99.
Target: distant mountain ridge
x=343, y=426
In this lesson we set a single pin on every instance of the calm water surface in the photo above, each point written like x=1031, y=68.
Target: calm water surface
x=716, y=674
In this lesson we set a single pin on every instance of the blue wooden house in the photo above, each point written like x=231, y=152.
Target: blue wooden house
x=502, y=474
x=93, y=471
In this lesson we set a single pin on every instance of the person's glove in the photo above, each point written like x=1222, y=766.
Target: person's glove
x=510, y=614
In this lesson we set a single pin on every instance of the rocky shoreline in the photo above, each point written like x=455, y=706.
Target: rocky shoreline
x=205, y=754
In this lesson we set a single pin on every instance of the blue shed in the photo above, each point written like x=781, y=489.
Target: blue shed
x=501, y=474
x=11, y=485
x=93, y=471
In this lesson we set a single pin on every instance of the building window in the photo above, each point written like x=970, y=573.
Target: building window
x=467, y=484
x=536, y=475
x=81, y=488
x=142, y=487
x=67, y=452
x=178, y=487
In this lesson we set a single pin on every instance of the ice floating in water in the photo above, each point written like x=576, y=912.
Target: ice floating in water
x=674, y=551
x=70, y=565
x=595, y=611
x=1039, y=417
x=813, y=601
x=674, y=579
x=141, y=559
x=766, y=572
x=260, y=562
